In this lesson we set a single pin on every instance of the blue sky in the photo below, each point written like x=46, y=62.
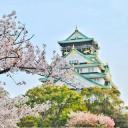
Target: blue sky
x=53, y=20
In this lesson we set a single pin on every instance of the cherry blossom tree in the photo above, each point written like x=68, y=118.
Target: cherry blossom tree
x=18, y=54
x=10, y=114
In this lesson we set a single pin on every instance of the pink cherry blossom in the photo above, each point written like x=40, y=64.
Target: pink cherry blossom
x=17, y=53
x=4, y=16
x=86, y=119
x=10, y=115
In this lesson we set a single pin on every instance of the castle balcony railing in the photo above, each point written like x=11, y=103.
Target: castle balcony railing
x=76, y=47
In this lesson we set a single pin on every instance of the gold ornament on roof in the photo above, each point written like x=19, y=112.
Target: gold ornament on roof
x=65, y=52
x=106, y=63
x=73, y=52
x=76, y=28
x=73, y=47
x=89, y=62
x=92, y=52
x=86, y=51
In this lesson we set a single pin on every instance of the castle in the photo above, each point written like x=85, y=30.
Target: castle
x=89, y=71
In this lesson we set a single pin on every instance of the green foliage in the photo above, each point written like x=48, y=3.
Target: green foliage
x=61, y=99
x=121, y=120
x=29, y=121
x=105, y=101
x=76, y=108
x=126, y=107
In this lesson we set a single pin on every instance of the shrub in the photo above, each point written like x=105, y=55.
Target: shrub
x=86, y=119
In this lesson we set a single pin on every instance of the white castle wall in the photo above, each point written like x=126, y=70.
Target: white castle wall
x=76, y=57
x=99, y=70
x=81, y=80
x=85, y=70
x=100, y=80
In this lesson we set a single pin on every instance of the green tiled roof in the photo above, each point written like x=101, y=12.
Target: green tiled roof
x=101, y=85
x=98, y=74
x=43, y=79
x=79, y=33
x=72, y=41
x=85, y=38
x=82, y=55
x=86, y=65
x=106, y=69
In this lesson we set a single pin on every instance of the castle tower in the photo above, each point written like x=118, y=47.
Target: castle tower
x=81, y=51
x=81, y=42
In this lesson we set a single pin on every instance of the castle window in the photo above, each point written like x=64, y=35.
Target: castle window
x=74, y=61
x=80, y=70
x=92, y=69
x=77, y=61
x=88, y=69
x=69, y=62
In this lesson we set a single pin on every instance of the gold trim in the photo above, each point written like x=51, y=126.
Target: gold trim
x=73, y=52
x=65, y=52
x=73, y=47
x=74, y=73
x=76, y=28
x=89, y=62
x=86, y=51
x=92, y=52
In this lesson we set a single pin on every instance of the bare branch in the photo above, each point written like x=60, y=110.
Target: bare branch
x=7, y=57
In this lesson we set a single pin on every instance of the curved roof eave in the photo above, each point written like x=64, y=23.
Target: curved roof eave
x=91, y=80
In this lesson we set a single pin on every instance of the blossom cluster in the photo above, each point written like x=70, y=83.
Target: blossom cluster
x=10, y=114
x=18, y=54
x=86, y=119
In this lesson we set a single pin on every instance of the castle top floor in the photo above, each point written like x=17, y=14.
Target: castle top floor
x=81, y=42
